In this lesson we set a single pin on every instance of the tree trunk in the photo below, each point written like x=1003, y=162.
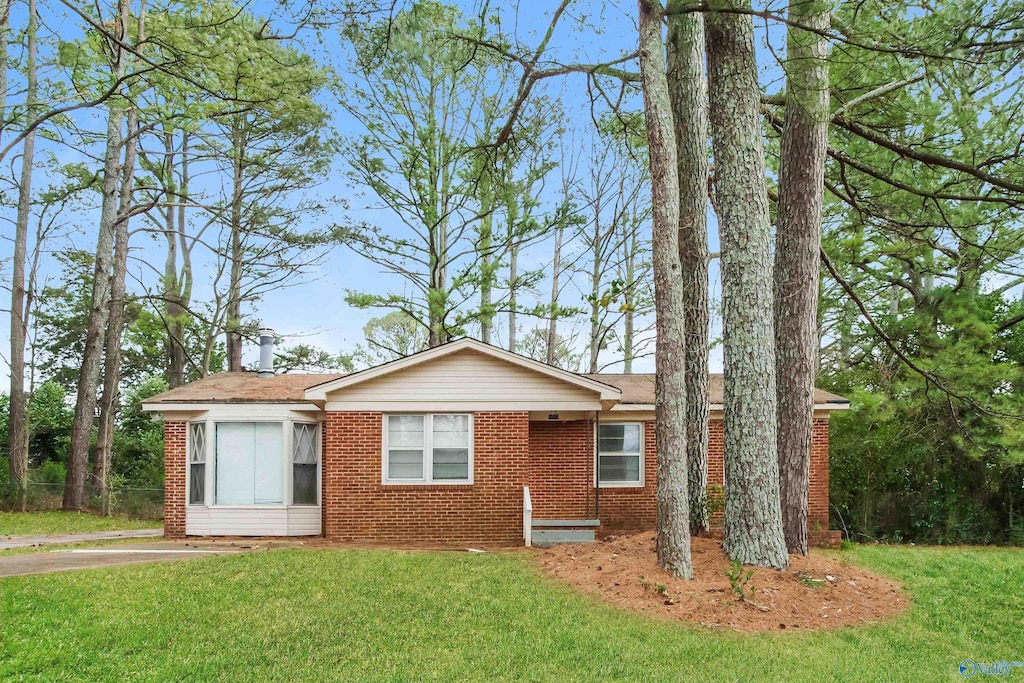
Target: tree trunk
x=88, y=379
x=631, y=243
x=109, y=402
x=753, y=516
x=233, y=318
x=688, y=90
x=513, y=275
x=673, y=538
x=552, y=335
x=17, y=427
x=486, y=258
x=172, y=295
x=804, y=146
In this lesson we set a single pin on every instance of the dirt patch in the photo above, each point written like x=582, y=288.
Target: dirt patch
x=814, y=593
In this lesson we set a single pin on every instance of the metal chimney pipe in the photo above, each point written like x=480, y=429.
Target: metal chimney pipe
x=266, y=353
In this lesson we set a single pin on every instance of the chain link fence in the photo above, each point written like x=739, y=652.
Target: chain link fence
x=126, y=501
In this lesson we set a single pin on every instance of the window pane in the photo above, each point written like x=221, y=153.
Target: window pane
x=268, y=448
x=451, y=431
x=618, y=468
x=304, y=484
x=304, y=443
x=236, y=477
x=197, y=484
x=405, y=431
x=405, y=464
x=197, y=442
x=620, y=438
x=451, y=463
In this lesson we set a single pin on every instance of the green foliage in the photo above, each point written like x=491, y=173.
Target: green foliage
x=739, y=581
x=50, y=472
x=137, y=455
x=932, y=249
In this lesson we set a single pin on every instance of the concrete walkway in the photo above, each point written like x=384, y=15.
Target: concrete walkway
x=13, y=542
x=63, y=560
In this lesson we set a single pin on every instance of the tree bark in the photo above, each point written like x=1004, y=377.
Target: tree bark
x=233, y=318
x=673, y=536
x=552, y=335
x=688, y=90
x=88, y=379
x=17, y=428
x=109, y=399
x=804, y=147
x=753, y=516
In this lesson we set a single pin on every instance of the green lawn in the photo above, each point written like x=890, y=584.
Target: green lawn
x=60, y=522
x=354, y=615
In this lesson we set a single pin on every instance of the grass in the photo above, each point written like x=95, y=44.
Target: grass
x=328, y=615
x=61, y=522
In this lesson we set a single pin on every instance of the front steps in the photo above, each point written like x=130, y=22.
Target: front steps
x=548, y=532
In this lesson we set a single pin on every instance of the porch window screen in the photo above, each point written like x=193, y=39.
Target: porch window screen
x=197, y=463
x=304, y=459
x=620, y=450
x=428, y=448
x=249, y=463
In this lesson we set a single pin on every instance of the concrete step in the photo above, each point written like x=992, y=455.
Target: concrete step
x=568, y=523
x=548, y=538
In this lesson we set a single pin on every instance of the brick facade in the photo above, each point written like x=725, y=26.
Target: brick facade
x=358, y=507
x=635, y=508
x=174, y=479
x=555, y=459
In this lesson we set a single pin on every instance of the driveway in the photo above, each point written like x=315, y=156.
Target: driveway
x=14, y=542
x=48, y=561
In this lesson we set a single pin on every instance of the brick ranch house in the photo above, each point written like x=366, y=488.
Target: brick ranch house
x=461, y=444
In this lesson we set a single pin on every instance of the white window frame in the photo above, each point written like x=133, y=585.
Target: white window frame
x=643, y=452
x=428, y=454
x=205, y=463
x=318, y=440
x=210, y=492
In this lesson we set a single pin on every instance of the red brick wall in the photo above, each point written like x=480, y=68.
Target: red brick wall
x=817, y=496
x=561, y=467
x=358, y=507
x=174, y=479
x=634, y=507
x=563, y=452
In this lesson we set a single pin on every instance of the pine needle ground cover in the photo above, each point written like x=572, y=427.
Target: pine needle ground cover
x=377, y=615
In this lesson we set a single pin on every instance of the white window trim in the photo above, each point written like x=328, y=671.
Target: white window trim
x=643, y=451
x=428, y=454
x=290, y=475
x=210, y=493
x=189, y=463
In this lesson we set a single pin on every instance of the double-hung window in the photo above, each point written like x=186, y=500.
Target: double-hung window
x=197, y=463
x=621, y=454
x=431, y=448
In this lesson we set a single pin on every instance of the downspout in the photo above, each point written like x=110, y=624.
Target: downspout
x=597, y=464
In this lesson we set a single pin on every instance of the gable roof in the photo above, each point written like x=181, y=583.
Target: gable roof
x=242, y=387
x=606, y=392
x=639, y=389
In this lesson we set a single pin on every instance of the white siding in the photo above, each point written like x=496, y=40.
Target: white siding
x=465, y=377
x=252, y=521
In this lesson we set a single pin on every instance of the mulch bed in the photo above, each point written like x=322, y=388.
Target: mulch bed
x=813, y=593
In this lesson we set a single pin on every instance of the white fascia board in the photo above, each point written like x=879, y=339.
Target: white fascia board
x=433, y=406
